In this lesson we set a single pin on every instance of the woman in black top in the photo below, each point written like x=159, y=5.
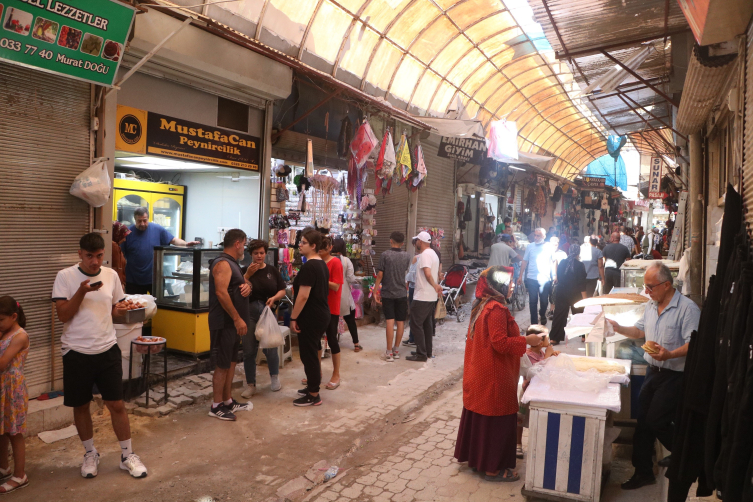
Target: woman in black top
x=267, y=287
x=571, y=288
x=310, y=316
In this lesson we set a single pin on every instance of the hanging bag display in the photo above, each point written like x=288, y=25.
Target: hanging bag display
x=468, y=216
x=93, y=185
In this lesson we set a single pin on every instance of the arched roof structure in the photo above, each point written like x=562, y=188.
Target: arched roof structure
x=424, y=56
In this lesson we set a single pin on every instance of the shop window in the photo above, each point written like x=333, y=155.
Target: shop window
x=232, y=115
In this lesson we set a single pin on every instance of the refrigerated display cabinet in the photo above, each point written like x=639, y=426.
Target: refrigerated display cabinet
x=166, y=203
x=181, y=288
x=632, y=272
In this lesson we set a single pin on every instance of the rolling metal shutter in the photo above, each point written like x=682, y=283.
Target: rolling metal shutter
x=44, y=145
x=391, y=216
x=748, y=128
x=436, y=200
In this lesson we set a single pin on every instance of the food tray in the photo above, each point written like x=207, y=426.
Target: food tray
x=131, y=316
x=152, y=347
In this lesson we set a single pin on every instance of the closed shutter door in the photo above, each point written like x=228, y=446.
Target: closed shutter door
x=748, y=153
x=391, y=216
x=44, y=145
x=436, y=206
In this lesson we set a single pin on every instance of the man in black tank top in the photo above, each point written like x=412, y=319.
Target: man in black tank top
x=228, y=321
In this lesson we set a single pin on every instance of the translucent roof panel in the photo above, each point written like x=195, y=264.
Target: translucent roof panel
x=424, y=54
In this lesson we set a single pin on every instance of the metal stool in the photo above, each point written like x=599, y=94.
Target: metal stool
x=146, y=366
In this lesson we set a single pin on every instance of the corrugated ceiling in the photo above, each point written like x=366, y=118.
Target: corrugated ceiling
x=424, y=55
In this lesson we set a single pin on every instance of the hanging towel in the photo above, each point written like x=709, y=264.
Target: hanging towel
x=420, y=165
x=503, y=141
x=363, y=144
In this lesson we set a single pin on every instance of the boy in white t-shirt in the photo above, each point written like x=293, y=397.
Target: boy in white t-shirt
x=86, y=297
x=425, y=295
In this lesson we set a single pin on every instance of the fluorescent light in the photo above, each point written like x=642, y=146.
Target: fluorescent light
x=167, y=168
x=516, y=168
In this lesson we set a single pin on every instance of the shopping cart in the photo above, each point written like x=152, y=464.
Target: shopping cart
x=453, y=285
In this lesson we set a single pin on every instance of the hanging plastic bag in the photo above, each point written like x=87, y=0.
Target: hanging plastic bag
x=268, y=331
x=93, y=185
x=525, y=365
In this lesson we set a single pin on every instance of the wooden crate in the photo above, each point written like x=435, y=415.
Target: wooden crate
x=565, y=449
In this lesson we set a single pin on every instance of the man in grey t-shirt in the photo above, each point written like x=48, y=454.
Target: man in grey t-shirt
x=503, y=255
x=393, y=296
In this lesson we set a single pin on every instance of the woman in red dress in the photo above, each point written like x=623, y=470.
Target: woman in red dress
x=488, y=425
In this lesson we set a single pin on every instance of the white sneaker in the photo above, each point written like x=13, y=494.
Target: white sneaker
x=89, y=467
x=275, y=385
x=249, y=392
x=134, y=466
x=388, y=357
x=395, y=354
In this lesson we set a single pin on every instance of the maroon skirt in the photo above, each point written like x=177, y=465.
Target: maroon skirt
x=487, y=443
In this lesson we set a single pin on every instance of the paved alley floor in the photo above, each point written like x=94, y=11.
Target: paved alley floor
x=390, y=428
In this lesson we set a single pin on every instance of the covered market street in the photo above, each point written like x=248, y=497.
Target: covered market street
x=376, y=250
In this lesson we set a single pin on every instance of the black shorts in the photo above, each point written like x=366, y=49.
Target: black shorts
x=395, y=308
x=225, y=345
x=82, y=371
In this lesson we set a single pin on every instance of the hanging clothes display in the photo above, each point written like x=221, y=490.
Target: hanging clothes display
x=419, y=177
x=502, y=142
x=385, y=165
x=713, y=442
x=404, y=165
x=345, y=138
x=363, y=144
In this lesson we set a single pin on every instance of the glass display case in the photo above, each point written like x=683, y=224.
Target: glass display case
x=181, y=277
x=632, y=274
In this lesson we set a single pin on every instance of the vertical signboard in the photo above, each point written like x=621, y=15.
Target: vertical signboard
x=654, y=179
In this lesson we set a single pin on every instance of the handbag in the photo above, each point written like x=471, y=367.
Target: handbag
x=440, y=312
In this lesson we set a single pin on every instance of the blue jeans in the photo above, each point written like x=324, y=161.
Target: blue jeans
x=250, y=349
x=537, y=294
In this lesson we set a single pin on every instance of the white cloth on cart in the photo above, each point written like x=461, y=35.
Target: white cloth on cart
x=540, y=392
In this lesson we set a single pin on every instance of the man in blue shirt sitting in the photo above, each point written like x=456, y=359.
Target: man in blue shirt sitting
x=138, y=250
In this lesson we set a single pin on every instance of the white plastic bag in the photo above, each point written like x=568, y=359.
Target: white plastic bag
x=525, y=365
x=93, y=185
x=268, y=331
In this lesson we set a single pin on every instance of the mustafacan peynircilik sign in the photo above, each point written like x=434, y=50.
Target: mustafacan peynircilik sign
x=82, y=39
x=654, y=179
x=471, y=150
x=149, y=133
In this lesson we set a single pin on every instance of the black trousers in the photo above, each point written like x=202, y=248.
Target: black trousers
x=138, y=289
x=537, y=295
x=422, y=326
x=309, y=345
x=561, y=308
x=332, y=341
x=350, y=320
x=611, y=280
x=657, y=405
x=591, y=287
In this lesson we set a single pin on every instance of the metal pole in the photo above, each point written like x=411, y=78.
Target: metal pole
x=695, y=200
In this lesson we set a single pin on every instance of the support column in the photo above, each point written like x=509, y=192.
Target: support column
x=265, y=171
x=108, y=130
x=695, y=200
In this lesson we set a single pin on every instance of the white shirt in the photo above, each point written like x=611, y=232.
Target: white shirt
x=502, y=255
x=90, y=331
x=423, y=291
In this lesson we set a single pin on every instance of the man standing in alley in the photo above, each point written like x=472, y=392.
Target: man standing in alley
x=393, y=296
x=138, y=249
x=667, y=323
x=425, y=295
x=536, y=271
x=615, y=255
x=502, y=253
x=86, y=297
x=229, y=317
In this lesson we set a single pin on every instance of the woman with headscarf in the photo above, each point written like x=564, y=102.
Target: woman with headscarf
x=571, y=288
x=493, y=348
x=119, y=233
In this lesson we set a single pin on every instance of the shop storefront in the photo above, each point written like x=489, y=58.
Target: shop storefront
x=49, y=63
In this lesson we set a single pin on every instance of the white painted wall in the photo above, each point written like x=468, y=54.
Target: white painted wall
x=213, y=202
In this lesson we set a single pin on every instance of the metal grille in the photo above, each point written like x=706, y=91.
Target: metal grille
x=436, y=200
x=748, y=128
x=44, y=145
x=391, y=216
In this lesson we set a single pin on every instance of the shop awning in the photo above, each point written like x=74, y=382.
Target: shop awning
x=421, y=56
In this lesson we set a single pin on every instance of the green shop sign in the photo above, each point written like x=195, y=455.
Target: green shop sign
x=82, y=39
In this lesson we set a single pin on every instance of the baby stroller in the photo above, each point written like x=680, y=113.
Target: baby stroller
x=453, y=286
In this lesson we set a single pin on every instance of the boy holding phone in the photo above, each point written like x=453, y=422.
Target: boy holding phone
x=87, y=296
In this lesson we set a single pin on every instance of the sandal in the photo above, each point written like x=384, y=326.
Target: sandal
x=505, y=476
x=22, y=483
x=357, y=348
x=332, y=385
x=519, y=451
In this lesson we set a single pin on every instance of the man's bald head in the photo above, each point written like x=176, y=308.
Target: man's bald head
x=615, y=237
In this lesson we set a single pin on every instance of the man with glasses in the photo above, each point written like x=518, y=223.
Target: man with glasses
x=668, y=321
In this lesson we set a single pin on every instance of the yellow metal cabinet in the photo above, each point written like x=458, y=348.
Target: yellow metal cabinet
x=185, y=331
x=166, y=203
